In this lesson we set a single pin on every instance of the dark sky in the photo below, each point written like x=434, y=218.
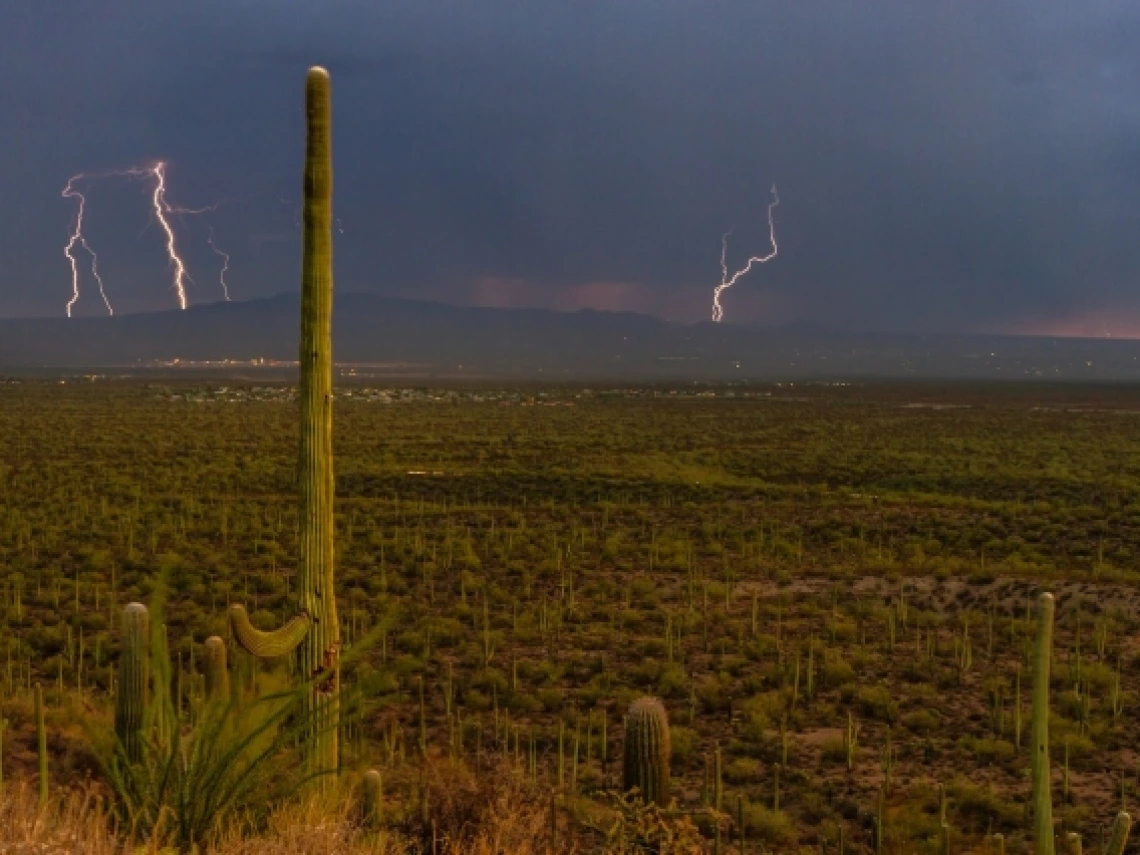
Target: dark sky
x=941, y=165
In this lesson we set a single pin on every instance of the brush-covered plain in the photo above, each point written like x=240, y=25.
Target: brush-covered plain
x=828, y=586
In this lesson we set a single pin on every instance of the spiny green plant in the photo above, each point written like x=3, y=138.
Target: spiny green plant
x=41, y=744
x=1042, y=799
x=1042, y=794
x=647, y=751
x=134, y=680
x=214, y=664
x=315, y=631
x=372, y=800
x=1121, y=827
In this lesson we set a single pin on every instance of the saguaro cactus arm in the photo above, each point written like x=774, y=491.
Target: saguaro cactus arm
x=265, y=645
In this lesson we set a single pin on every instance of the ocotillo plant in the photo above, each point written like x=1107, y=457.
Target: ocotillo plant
x=647, y=751
x=134, y=681
x=315, y=631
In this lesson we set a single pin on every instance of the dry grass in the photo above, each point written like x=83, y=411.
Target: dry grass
x=75, y=823
x=492, y=812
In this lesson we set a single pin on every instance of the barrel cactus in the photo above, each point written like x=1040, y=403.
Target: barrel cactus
x=134, y=680
x=647, y=750
x=315, y=632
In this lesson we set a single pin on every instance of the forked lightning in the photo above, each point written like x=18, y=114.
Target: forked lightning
x=727, y=281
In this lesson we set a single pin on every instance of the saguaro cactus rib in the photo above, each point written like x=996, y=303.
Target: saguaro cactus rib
x=267, y=645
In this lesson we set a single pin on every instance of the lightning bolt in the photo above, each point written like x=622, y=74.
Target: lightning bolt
x=162, y=208
x=69, y=192
x=225, y=263
x=727, y=281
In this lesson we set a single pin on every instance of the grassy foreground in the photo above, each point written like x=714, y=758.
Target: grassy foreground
x=487, y=815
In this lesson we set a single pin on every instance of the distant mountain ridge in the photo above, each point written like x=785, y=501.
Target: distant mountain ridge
x=536, y=343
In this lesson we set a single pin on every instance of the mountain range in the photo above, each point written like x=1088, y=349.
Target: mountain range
x=427, y=339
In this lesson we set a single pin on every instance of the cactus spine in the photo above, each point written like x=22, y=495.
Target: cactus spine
x=134, y=680
x=1042, y=794
x=217, y=676
x=315, y=632
x=647, y=750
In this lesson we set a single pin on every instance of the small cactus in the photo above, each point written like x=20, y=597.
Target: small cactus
x=41, y=743
x=217, y=675
x=134, y=678
x=850, y=742
x=647, y=750
x=372, y=800
x=1120, y=829
x=1042, y=795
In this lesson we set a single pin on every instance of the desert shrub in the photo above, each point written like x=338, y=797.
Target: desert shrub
x=877, y=702
x=922, y=721
x=684, y=742
x=742, y=770
x=771, y=827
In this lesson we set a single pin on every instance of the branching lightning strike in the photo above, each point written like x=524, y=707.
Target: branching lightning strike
x=69, y=192
x=727, y=281
x=162, y=208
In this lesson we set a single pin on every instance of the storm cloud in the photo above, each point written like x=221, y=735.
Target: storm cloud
x=941, y=166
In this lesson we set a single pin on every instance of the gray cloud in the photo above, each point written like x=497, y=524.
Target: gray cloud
x=941, y=165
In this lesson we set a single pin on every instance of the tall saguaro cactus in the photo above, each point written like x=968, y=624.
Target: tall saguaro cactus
x=1042, y=792
x=315, y=632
